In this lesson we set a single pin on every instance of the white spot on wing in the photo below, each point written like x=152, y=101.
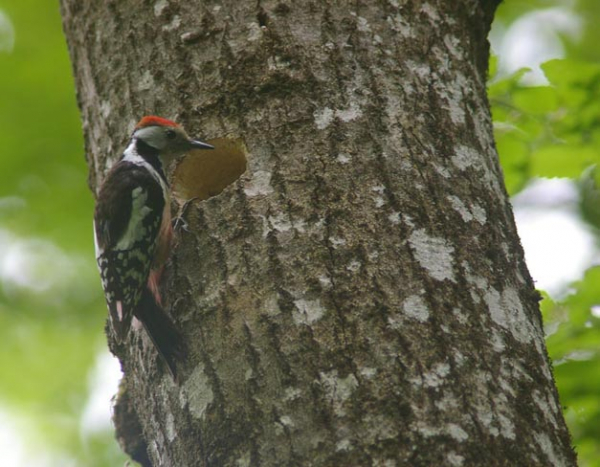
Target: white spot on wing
x=97, y=248
x=139, y=211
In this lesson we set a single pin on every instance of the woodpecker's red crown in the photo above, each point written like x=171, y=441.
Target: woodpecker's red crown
x=153, y=120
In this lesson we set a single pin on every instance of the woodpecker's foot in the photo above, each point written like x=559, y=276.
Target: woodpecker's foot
x=179, y=223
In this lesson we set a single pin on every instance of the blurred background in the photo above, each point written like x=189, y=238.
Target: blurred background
x=56, y=375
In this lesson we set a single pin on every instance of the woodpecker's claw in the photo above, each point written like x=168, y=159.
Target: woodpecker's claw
x=179, y=222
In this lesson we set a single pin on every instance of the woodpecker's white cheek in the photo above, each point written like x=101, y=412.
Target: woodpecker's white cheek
x=153, y=136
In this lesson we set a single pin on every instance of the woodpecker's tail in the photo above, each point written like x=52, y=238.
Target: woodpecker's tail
x=120, y=319
x=167, y=340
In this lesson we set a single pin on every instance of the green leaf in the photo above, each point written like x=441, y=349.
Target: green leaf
x=561, y=72
x=565, y=160
x=514, y=157
x=537, y=101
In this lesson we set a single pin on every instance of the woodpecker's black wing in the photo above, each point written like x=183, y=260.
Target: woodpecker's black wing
x=127, y=220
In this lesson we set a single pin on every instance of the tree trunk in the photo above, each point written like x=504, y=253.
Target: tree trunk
x=359, y=296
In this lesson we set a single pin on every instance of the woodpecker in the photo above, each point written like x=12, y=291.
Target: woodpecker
x=132, y=232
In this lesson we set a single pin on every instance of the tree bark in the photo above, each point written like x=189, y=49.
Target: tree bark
x=359, y=296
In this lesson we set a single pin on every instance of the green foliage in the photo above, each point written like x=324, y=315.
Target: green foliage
x=573, y=336
x=51, y=306
x=547, y=131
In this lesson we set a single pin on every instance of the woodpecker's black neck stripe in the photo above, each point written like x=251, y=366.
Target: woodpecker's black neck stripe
x=150, y=155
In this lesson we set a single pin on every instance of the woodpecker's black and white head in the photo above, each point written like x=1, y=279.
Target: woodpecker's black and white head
x=158, y=137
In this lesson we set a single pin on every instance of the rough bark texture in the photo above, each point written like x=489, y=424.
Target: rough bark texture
x=359, y=297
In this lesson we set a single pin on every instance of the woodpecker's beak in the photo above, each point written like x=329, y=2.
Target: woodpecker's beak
x=195, y=144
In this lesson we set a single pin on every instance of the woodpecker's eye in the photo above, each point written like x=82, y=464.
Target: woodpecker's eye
x=171, y=134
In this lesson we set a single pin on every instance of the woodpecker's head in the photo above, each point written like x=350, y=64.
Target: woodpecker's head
x=167, y=138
